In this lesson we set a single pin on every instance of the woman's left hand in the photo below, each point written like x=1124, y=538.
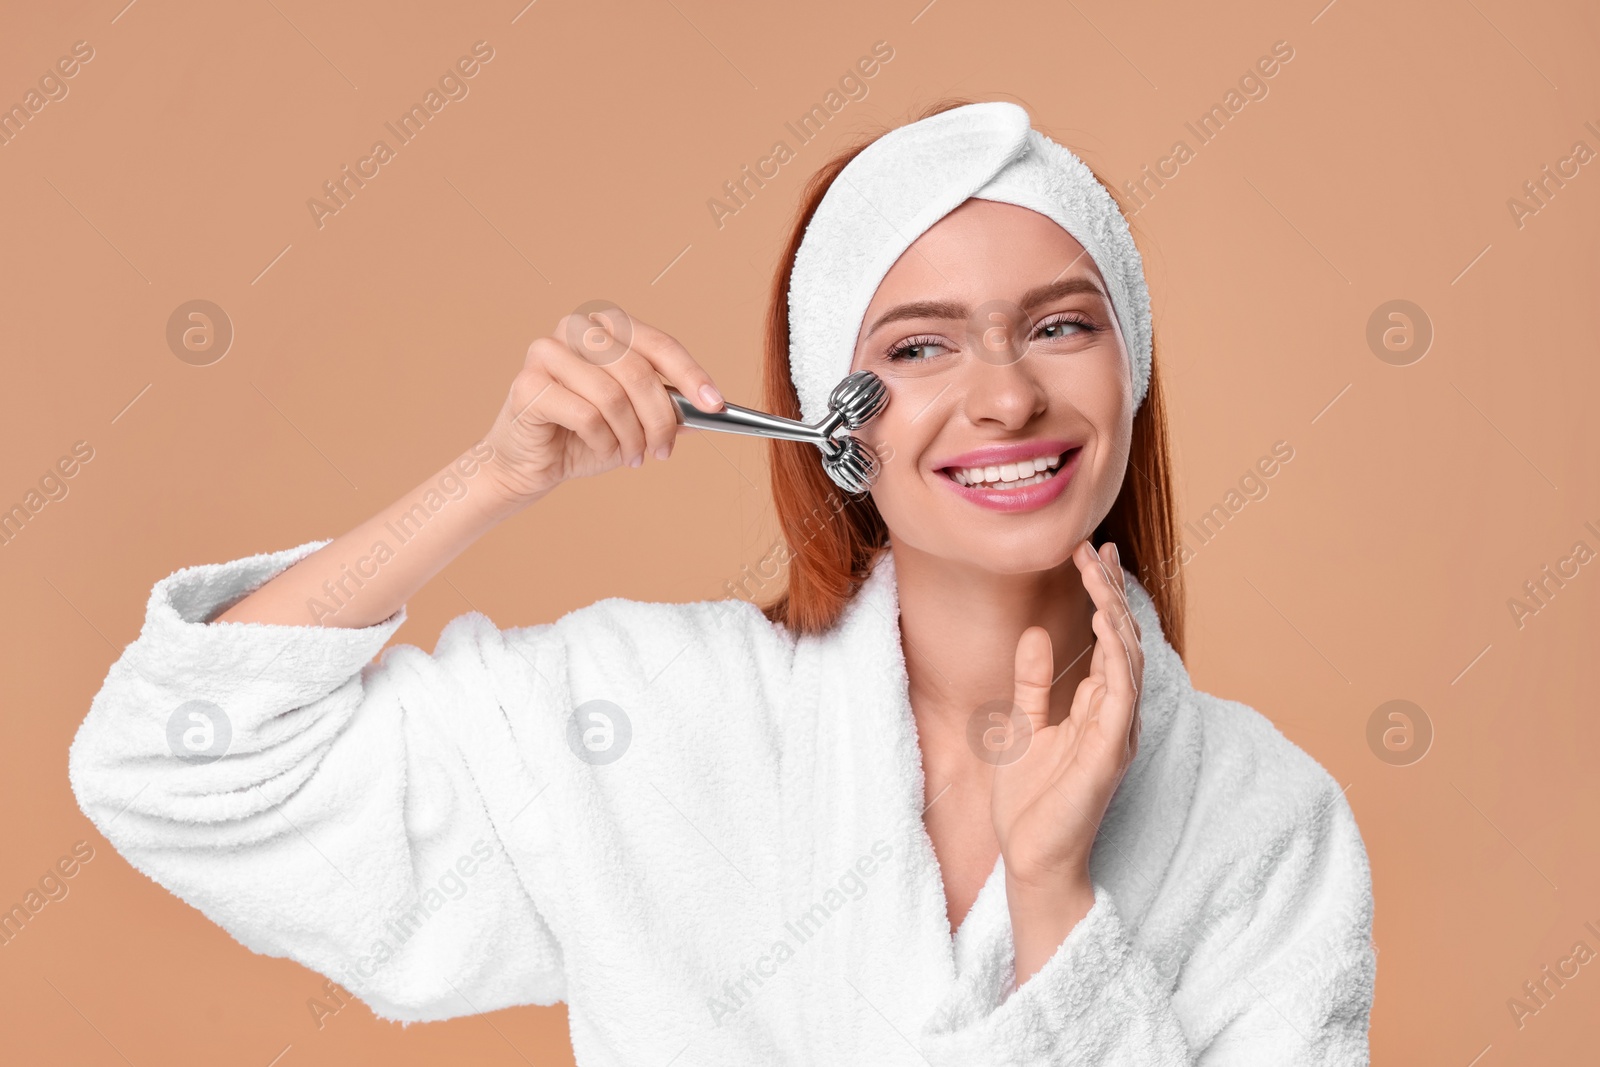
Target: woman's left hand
x=1048, y=802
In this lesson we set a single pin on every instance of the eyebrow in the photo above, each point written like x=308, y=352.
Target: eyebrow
x=950, y=309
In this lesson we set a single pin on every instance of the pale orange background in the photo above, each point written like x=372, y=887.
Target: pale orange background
x=579, y=167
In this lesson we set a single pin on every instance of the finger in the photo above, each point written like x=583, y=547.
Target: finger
x=1117, y=708
x=1116, y=581
x=1098, y=583
x=556, y=403
x=1087, y=697
x=656, y=412
x=1092, y=690
x=527, y=389
x=1134, y=730
x=606, y=394
x=1032, y=672
x=598, y=332
x=1117, y=662
x=1114, y=562
x=1109, y=598
x=1098, y=660
x=676, y=365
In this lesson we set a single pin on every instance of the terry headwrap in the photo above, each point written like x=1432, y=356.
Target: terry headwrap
x=909, y=179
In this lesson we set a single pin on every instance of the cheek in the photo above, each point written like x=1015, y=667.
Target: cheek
x=1108, y=461
x=900, y=445
x=896, y=457
x=1102, y=398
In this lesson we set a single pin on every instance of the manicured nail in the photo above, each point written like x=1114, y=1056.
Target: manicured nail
x=710, y=397
x=1116, y=557
x=663, y=452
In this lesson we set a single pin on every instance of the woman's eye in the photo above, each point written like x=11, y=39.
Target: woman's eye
x=1064, y=328
x=914, y=350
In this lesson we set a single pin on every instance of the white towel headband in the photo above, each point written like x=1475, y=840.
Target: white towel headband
x=909, y=179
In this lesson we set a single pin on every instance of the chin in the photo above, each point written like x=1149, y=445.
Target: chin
x=1025, y=546
x=1027, y=552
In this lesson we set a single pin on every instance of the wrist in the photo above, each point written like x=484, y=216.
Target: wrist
x=1050, y=895
x=1045, y=874
x=504, y=495
x=1043, y=914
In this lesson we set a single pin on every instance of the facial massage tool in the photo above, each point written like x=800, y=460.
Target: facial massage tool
x=854, y=402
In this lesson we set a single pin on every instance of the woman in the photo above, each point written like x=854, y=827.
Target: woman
x=950, y=798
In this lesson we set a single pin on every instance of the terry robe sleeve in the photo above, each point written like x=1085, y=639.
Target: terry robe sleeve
x=341, y=827
x=1274, y=964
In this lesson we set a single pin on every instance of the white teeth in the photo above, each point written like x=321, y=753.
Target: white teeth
x=1011, y=475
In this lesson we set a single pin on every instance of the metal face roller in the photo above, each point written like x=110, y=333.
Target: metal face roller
x=854, y=402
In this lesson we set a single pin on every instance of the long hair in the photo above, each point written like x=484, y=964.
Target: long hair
x=832, y=539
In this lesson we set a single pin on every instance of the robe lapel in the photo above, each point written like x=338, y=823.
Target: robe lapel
x=879, y=955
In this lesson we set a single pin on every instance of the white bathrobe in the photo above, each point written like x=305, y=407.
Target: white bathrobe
x=749, y=882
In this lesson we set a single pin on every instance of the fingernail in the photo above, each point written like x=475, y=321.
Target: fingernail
x=636, y=460
x=710, y=396
x=1116, y=557
x=663, y=452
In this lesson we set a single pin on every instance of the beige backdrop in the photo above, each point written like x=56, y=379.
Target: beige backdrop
x=1382, y=161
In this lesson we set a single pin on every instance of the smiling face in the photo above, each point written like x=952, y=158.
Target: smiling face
x=1010, y=408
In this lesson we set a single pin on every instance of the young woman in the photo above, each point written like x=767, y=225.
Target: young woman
x=949, y=798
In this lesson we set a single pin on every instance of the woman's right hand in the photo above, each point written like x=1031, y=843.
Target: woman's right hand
x=590, y=398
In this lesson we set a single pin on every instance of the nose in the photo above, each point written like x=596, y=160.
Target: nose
x=1006, y=395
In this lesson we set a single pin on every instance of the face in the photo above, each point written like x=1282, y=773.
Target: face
x=1010, y=412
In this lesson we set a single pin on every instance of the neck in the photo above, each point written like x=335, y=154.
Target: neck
x=959, y=626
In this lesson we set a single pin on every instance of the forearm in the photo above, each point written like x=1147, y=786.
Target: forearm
x=1041, y=918
x=367, y=574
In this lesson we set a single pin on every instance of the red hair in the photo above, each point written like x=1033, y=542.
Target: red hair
x=832, y=539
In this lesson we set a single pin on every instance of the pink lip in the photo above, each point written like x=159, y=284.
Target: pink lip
x=1029, y=499
x=994, y=455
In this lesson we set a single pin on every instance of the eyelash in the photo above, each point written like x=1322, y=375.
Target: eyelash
x=896, y=354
